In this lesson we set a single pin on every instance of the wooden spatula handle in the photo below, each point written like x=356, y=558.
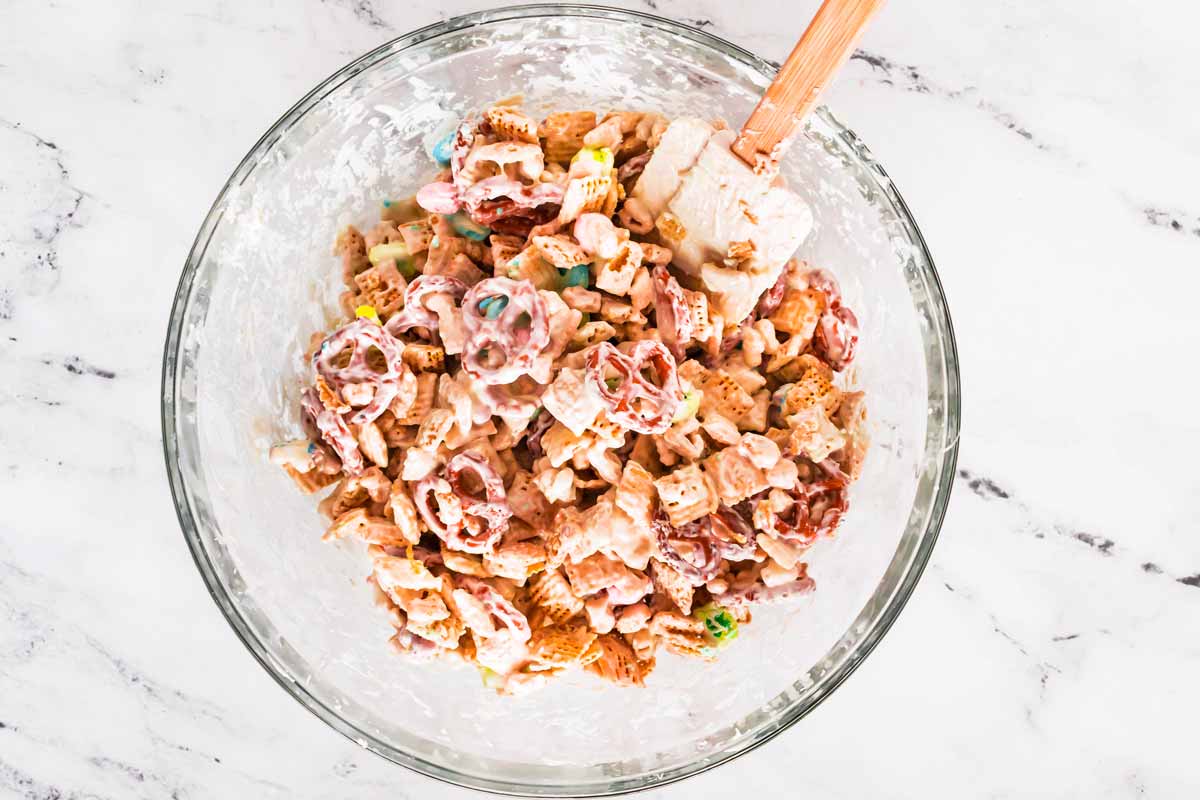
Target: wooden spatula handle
x=823, y=48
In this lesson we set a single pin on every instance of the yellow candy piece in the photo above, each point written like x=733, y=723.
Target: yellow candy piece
x=601, y=155
x=368, y=312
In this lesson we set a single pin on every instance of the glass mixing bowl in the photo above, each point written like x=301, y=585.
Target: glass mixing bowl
x=260, y=279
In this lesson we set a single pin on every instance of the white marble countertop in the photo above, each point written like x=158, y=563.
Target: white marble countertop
x=1049, y=151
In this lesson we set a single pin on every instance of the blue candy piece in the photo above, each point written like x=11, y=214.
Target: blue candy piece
x=441, y=151
x=496, y=307
x=493, y=306
x=465, y=226
x=578, y=275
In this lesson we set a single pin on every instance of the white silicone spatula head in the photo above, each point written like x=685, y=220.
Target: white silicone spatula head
x=714, y=198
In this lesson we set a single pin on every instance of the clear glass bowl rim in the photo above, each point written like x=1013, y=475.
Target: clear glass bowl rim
x=941, y=465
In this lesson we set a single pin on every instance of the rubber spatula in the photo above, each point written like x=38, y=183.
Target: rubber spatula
x=714, y=195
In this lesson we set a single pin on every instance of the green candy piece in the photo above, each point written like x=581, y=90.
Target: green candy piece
x=719, y=623
x=465, y=226
x=394, y=250
x=578, y=275
x=382, y=252
x=689, y=406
